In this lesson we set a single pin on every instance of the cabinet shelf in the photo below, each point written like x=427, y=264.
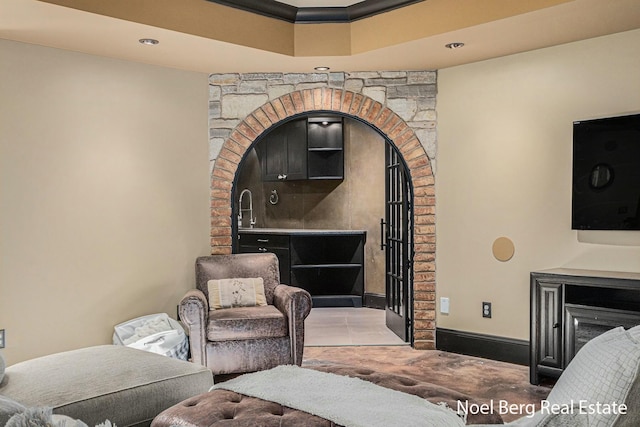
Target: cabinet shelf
x=329, y=149
x=325, y=177
x=308, y=266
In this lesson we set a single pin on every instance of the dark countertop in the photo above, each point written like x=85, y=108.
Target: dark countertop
x=300, y=231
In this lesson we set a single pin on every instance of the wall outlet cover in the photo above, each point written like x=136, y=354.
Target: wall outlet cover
x=486, y=310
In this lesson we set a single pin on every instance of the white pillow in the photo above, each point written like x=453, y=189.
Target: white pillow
x=236, y=292
x=602, y=372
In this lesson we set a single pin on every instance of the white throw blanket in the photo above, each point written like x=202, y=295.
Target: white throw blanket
x=351, y=402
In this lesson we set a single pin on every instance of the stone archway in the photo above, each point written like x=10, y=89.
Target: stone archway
x=385, y=121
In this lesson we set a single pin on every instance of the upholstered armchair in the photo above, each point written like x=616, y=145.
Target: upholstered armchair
x=244, y=338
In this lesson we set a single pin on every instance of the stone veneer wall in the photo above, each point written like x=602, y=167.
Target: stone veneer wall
x=399, y=104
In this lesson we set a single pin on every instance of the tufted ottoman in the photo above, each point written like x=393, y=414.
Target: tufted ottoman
x=225, y=408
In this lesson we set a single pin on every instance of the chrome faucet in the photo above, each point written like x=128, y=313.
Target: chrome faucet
x=252, y=220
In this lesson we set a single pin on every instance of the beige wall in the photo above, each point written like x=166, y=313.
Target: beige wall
x=104, y=194
x=504, y=169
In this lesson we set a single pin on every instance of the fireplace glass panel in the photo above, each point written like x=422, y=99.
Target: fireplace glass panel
x=584, y=323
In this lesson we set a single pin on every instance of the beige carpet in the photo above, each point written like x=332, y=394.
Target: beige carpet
x=479, y=378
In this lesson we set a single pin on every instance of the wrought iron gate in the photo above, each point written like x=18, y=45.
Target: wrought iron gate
x=397, y=241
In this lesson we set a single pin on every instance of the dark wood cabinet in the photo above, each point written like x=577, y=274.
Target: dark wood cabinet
x=274, y=243
x=327, y=263
x=283, y=152
x=304, y=148
x=549, y=313
x=569, y=307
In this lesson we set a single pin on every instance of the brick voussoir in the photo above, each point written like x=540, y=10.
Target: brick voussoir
x=366, y=106
x=345, y=106
x=307, y=97
x=223, y=174
x=375, y=110
x=336, y=99
x=234, y=147
x=287, y=102
x=221, y=184
x=382, y=118
x=270, y=112
x=298, y=102
x=317, y=98
x=245, y=129
x=240, y=139
x=356, y=104
x=262, y=117
x=326, y=98
x=278, y=107
x=229, y=155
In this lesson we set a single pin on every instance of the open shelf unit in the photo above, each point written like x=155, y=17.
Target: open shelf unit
x=330, y=267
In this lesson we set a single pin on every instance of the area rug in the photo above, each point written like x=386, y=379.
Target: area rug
x=477, y=377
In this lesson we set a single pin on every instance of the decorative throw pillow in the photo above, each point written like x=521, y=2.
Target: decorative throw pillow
x=236, y=292
x=602, y=373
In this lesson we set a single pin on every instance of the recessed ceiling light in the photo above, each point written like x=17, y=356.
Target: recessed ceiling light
x=321, y=68
x=454, y=45
x=149, y=42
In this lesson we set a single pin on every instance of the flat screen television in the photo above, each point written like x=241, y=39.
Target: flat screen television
x=606, y=174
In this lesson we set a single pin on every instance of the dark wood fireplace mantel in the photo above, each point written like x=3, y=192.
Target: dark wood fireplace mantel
x=570, y=306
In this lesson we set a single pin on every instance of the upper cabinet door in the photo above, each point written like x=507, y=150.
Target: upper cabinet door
x=283, y=152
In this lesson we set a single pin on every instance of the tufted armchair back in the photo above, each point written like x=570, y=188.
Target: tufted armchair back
x=214, y=267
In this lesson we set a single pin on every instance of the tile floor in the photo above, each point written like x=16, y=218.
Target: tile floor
x=347, y=326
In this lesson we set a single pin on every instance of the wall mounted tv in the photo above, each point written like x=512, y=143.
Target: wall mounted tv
x=606, y=174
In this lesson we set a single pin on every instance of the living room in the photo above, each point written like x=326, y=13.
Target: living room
x=106, y=185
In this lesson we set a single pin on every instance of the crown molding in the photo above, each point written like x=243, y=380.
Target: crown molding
x=316, y=15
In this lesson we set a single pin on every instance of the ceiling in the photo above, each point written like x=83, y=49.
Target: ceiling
x=206, y=37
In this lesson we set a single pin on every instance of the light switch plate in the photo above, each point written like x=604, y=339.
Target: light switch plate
x=1, y=338
x=444, y=305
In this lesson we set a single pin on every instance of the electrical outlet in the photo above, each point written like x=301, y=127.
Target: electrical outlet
x=486, y=310
x=2, y=341
x=444, y=305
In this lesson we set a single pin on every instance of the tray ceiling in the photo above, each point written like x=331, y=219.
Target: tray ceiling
x=206, y=37
x=315, y=11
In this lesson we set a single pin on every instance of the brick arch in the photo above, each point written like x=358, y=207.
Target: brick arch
x=385, y=121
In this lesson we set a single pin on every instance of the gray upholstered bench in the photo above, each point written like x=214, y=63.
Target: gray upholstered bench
x=126, y=386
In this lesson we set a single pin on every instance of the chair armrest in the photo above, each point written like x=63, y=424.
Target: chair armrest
x=194, y=311
x=295, y=304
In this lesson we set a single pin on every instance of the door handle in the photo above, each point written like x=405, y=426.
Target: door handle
x=282, y=176
x=262, y=249
x=263, y=240
x=382, y=243
x=556, y=325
